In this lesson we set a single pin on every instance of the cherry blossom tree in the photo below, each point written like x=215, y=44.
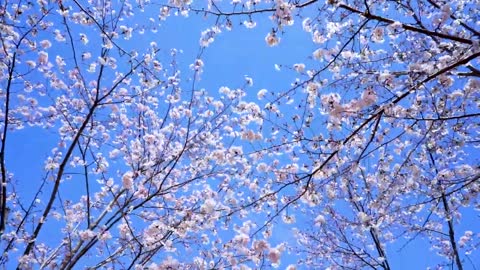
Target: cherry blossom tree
x=150, y=157
x=371, y=149
x=378, y=134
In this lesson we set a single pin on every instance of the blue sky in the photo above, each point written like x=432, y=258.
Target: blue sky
x=232, y=56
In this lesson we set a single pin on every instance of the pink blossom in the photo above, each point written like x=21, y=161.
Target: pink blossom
x=43, y=58
x=127, y=180
x=274, y=255
x=272, y=39
x=45, y=44
x=261, y=94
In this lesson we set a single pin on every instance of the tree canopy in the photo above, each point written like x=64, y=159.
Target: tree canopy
x=120, y=151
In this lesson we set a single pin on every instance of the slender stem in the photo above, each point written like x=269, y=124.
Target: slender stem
x=451, y=232
x=3, y=202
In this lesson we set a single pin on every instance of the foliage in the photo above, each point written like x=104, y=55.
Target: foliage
x=372, y=147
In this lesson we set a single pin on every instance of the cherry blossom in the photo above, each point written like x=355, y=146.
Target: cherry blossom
x=272, y=39
x=365, y=141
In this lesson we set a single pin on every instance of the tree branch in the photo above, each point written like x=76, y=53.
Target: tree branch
x=370, y=16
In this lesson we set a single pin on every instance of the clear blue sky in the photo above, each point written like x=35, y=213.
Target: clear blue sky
x=232, y=56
